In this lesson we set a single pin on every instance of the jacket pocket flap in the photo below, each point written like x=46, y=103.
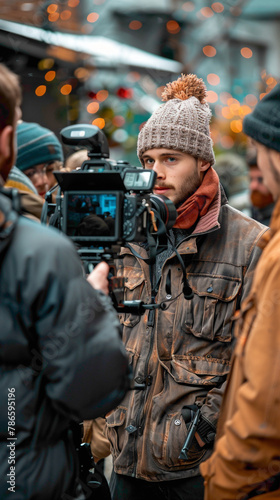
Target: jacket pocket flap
x=218, y=287
x=199, y=370
x=133, y=278
x=116, y=418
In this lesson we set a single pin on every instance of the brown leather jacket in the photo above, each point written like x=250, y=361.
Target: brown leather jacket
x=185, y=357
x=246, y=460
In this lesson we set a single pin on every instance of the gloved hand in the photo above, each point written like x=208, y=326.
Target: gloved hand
x=205, y=433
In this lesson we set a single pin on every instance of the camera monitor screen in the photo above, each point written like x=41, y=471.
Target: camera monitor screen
x=91, y=216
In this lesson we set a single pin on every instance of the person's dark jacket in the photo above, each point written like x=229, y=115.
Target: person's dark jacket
x=61, y=356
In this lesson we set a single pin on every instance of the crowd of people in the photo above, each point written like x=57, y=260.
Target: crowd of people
x=185, y=397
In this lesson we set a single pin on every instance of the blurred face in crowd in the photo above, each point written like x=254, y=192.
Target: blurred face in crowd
x=269, y=164
x=52, y=167
x=178, y=174
x=42, y=176
x=38, y=176
x=259, y=194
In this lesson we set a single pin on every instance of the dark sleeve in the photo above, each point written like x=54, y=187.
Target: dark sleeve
x=83, y=358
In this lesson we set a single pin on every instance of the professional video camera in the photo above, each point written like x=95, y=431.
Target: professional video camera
x=106, y=204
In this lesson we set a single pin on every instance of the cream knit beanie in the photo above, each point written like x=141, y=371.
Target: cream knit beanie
x=182, y=123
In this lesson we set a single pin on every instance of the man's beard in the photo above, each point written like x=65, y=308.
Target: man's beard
x=189, y=188
x=260, y=200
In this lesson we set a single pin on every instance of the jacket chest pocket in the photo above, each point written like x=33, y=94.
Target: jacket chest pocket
x=209, y=314
x=134, y=282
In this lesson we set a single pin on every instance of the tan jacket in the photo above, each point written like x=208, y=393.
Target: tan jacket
x=247, y=450
x=183, y=356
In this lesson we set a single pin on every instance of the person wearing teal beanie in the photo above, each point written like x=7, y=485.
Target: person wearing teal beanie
x=39, y=154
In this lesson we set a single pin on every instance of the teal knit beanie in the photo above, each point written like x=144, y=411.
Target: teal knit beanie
x=36, y=145
x=263, y=124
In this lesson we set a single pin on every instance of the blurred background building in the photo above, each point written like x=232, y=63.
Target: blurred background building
x=106, y=61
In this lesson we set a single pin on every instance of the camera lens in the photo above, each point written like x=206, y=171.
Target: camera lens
x=165, y=209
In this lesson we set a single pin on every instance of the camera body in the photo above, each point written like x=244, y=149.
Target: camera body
x=97, y=208
x=107, y=203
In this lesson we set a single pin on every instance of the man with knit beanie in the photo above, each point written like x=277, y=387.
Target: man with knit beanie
x=180, y=352
x=246, y=460
x=39, y=154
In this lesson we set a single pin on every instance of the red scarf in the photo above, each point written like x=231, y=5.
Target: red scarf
x=199, y=202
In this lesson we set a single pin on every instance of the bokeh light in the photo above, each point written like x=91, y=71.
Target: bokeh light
x=244, y=110
x=102, y=95
x=188, y=6
x=236, y=126
x=40, y=90
x=73, y=3
x=82, y=73
x=92, y=17
x=207, y=12
x=271, y=82
x=135, y=25
x=65, y=15
x=211, y=96
x=251, y=100
x=172, y=27
x=234, y=108
x=99, y=122
x=52, y=8
x=209, y=51
x=50, y=76
x=246, y=52
x=118, y=121
x=53, y=17
x=217, y=7
x=227, y=113
x=92, y=107
x=46, y=64
x=213, y=79
x=66, y=89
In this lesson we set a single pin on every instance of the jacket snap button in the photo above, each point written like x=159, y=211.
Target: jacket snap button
x=177, y=422
x=168, y=296
x=210, y=289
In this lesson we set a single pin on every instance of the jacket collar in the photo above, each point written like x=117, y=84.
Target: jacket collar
x=209, y=221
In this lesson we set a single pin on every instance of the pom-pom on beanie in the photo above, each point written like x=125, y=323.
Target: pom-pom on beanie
x=182, y=123
x=36, y=145
x=263, y=124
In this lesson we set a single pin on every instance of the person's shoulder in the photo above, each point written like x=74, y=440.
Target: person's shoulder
x=243, y=219
x=37, y=234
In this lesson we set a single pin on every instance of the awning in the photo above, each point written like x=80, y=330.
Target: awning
x=105, y=52
x=261, y=10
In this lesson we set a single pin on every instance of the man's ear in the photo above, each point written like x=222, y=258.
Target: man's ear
x=6, y=142
x=7, y=151
x=203, y=165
